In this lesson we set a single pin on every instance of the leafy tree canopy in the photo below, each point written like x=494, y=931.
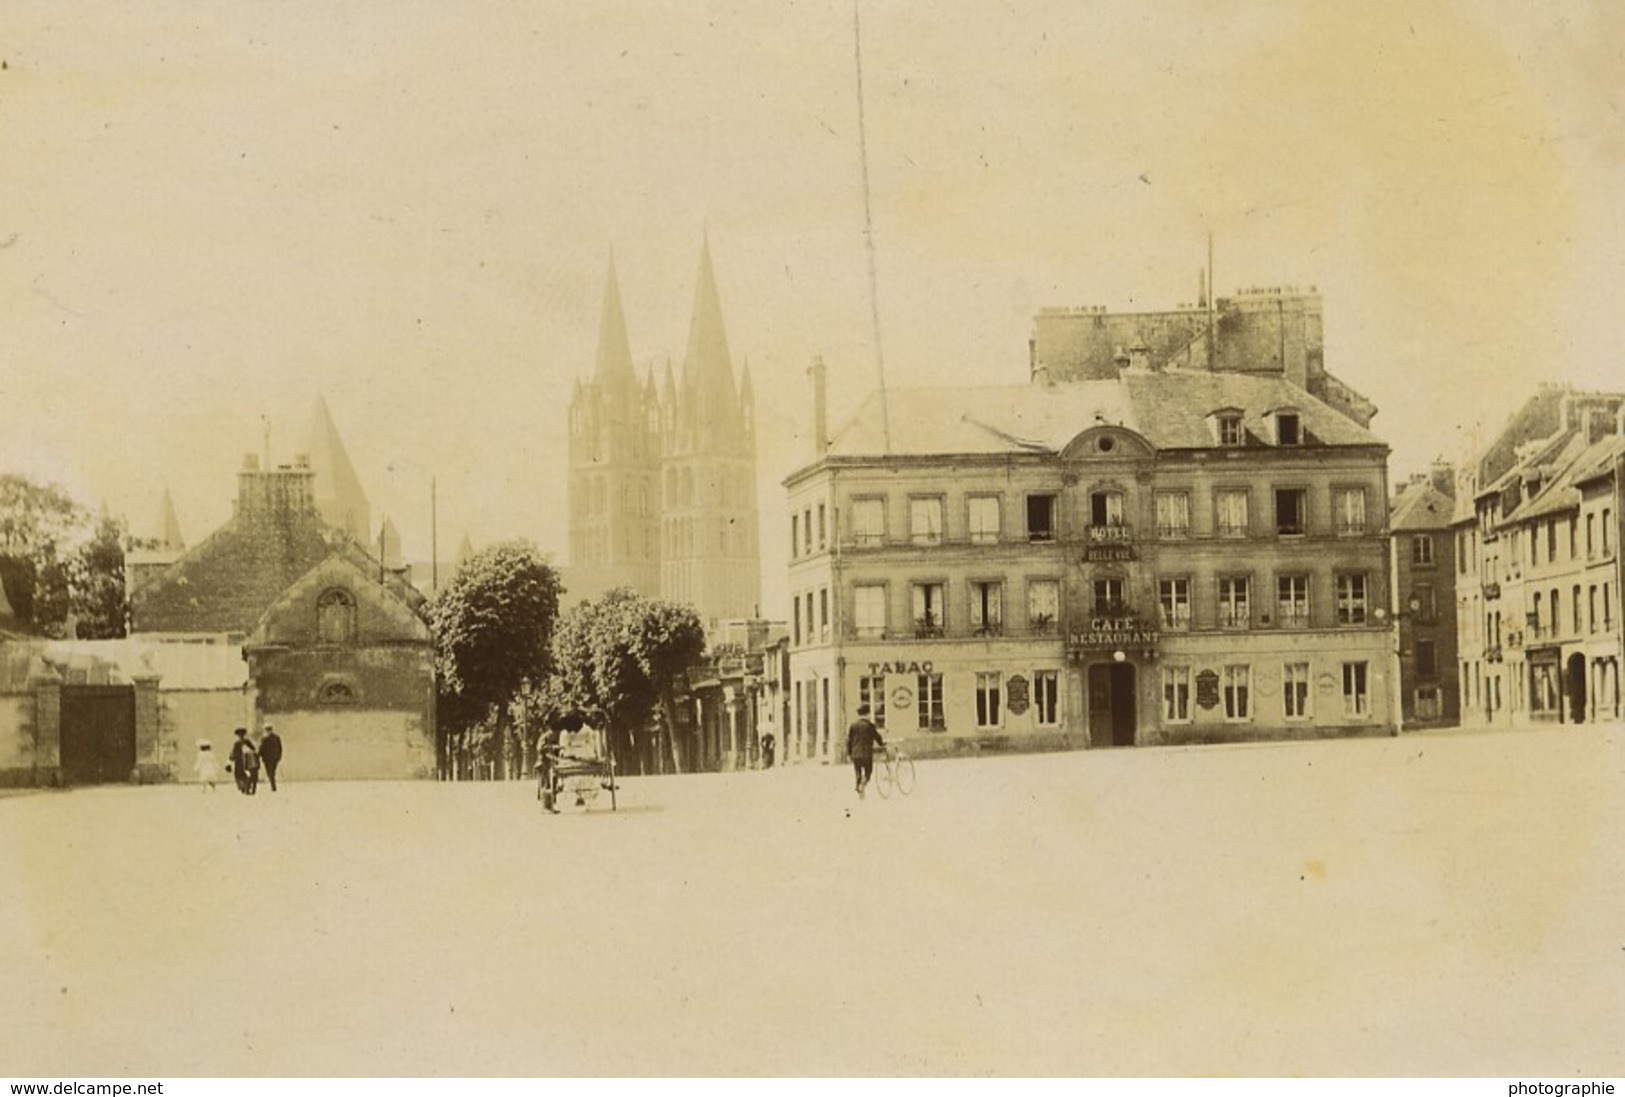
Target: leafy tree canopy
x=493, y=626
x=621, y=656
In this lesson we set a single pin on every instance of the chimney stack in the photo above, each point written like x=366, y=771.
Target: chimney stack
x=820, y=408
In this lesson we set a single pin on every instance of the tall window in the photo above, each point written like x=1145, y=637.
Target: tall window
x=987, y=608
x=806, y=532
x=1047, y=697
x=930, y=609
x=1043, y=605
x=872, y=692
x=1174, y=601
x=1351, y=598
x=1349, y=504
x=1176, y=695
x=1233, y=608
x=1591, y=530
x=1574, y=605
x=1426, y=603
x=1291, y=511
x=1232, y=513
x=1040, y=517
x=1292, y=601
x=928, y=688
x=1106, y=508
x=984, y=519
x=1295, y=691
x=925, y=521
x=823, y=613
x=869, y=611
x=1356, y=695
x=1109, y=596
x=989, y=695
x=1427, y=658
x=795, y=535
x=1173, y=514
x=1230, y=431
x=1237, y=692
x=823, y=526
x=1422, y=550
x=795, y=617
x=1607, y=519
x=335, y=617
x=868, y=521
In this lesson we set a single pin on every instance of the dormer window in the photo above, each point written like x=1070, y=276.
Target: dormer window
x=1288, y=429
x=1227, y=427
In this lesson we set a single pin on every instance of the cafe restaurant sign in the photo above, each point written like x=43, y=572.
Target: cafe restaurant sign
x=1114, y=633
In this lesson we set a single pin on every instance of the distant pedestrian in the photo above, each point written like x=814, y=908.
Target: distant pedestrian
x=245, y=763
x=767, y=751
x=861, y=739
x=270, y=754
x=204, y=767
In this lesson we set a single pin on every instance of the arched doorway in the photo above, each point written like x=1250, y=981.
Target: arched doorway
x=1577, y=688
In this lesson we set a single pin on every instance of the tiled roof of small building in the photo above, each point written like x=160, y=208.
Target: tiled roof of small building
x=227, y=581
x=1420, y=505
x=1170, y=409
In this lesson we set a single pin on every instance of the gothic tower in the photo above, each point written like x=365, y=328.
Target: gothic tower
x=340, y=500
x=710, y=557
x=614, y=467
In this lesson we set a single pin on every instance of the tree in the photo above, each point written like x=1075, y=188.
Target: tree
x=620, y=659
x=55, y=562
x=96, y=579
x=493, y=628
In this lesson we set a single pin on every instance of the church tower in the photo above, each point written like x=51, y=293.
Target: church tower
x=340, y=500
x=614, y=467
x=708, y=508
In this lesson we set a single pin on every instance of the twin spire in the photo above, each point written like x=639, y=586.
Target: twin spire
x=708, y=378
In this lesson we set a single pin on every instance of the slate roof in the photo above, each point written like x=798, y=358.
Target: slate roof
x=1170, y=409
x=1420, y=505
x=225, y=583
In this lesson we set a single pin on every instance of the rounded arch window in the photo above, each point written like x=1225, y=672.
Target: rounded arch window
x=335, y=616
x=336, y=693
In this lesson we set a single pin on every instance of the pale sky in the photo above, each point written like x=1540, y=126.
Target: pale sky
x=210, y=212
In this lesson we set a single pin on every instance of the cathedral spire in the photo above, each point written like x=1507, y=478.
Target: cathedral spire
x=707, y=367
x=614, y=364
x=340, y=500
x=169, y=526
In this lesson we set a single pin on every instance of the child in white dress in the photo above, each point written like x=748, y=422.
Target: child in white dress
x=204, y=766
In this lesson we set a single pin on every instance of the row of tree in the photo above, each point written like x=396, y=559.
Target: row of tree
x=62, y=568
x=509, y=665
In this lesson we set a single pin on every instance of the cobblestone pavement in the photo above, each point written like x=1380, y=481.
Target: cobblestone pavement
x=1445, y=904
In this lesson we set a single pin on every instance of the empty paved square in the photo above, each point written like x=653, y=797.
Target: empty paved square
x=1447, y=904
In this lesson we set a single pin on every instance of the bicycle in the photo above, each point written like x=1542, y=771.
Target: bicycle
x=896, y=769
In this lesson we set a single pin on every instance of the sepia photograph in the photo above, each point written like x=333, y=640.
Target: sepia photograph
x=802, y=539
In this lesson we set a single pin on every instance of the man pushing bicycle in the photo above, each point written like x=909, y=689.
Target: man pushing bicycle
x=861, y=739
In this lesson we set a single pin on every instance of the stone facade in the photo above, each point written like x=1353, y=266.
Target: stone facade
x=1158, y=557
x=663, y=481
x=1537, y=525
x=1425, y=585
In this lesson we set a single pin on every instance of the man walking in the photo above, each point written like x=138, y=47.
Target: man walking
x=245, y=763
x=861, y=739
x=270, y=754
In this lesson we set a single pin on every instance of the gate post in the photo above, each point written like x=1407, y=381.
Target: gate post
x=149, y=759
x=47, y=732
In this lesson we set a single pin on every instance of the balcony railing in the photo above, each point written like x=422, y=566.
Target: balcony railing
x=1292, y=618
x=926, y=630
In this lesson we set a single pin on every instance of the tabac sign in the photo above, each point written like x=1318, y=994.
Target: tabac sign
x=1113, y=634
